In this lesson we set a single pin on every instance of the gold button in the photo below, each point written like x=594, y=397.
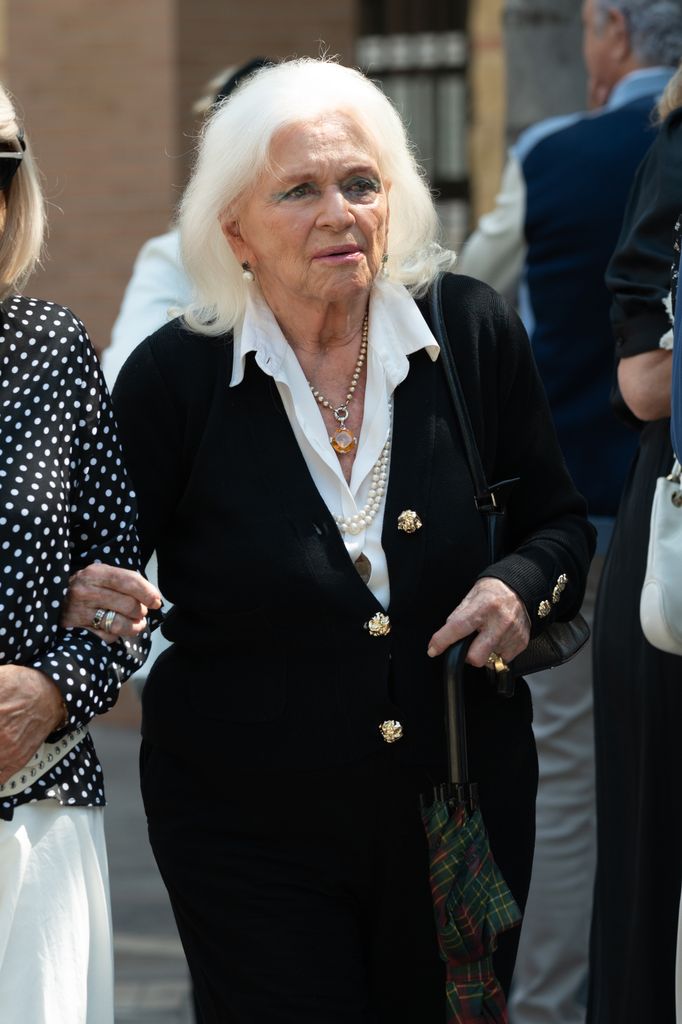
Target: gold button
x=379, y=625
x=559, y=587
x=391, y=731
x=409, y=521
x=544, y=608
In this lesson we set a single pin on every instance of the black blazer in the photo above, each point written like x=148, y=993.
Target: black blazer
x=640, y=273
x=271, y=661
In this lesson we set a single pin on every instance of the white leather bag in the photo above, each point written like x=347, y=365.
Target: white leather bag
x=660, y=606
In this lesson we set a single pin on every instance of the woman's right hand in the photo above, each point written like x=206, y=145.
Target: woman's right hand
x=105, y=587
x=496, y=613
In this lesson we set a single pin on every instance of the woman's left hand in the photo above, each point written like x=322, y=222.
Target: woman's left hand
x=100, y=588
x=30, y=709
x=496, y=613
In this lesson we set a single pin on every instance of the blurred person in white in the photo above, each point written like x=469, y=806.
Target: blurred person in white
x=159, y=286
x=548, y=242
x=65, y=501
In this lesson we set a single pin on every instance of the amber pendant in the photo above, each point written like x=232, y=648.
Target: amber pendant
x=343, y=441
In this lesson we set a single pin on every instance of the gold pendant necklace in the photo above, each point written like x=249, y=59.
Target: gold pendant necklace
x=343, y=440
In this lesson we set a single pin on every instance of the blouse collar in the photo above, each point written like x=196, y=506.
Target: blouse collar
x=396, y=331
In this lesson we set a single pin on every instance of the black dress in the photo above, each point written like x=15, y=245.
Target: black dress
x=638, y=689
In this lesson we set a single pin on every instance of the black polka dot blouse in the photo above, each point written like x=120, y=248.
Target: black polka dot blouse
x=65, y=501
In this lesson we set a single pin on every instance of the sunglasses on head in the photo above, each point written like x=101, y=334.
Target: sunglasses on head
x=10, y=160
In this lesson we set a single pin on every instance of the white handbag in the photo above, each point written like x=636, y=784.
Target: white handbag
x=660, y=606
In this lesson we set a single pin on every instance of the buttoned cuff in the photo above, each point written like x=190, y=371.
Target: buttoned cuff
x=541, y=597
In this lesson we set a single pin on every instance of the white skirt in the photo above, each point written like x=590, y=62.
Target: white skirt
x=56, y=950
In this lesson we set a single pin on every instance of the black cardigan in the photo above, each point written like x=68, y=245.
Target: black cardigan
x=639, y=273
x=272, y=662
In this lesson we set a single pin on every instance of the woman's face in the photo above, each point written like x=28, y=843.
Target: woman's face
x=315, y=225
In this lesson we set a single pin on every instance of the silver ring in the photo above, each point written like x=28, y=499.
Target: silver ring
x=97, y=618
x=109, y=621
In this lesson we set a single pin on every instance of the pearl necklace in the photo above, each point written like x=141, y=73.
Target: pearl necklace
x=377, y=488
x=342, y=440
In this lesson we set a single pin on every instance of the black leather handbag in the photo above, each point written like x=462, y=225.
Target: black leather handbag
x=559, y=641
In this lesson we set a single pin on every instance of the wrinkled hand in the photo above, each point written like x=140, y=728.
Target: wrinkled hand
x=30, y=709
x=496, y=613
x=122, y=591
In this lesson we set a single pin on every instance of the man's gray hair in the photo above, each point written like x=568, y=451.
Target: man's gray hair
x=655, y=28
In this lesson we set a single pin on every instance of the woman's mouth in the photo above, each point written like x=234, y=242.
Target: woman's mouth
x=339, y=254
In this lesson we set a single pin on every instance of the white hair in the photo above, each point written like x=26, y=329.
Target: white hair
x=655, y=28
x=234, y=150
x=23, y=217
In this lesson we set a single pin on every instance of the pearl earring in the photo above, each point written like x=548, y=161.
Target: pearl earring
x=247, y=272
x=384, y=265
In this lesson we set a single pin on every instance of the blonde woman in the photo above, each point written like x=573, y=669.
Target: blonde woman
x=672, y=101
x=64, y=502
x=637, y=695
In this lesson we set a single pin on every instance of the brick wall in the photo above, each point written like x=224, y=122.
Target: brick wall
x=97, y=83
x=106, y=87
x=488, y=104
x=213, y=35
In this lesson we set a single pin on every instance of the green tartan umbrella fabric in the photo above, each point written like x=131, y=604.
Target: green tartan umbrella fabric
x=473, y=905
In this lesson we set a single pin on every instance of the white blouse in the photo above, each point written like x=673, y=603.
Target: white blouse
x=396, y=330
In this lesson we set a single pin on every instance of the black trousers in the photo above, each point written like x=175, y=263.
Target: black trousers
x=305, y=899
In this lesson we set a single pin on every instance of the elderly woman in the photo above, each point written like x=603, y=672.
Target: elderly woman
x=65, y=501
x=314, y=520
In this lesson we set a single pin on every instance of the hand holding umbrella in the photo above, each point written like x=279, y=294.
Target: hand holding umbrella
x=472, y=902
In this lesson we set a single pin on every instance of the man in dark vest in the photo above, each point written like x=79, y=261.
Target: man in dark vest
x=547, y=244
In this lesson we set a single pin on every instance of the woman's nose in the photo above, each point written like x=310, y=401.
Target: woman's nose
x=335, y=210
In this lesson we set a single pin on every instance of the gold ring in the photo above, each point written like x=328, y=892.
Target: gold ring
x=497, y=662
x=109, y=621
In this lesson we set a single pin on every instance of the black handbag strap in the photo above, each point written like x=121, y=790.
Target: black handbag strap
x=560, y=640
x=483, y=494
x=492, y=508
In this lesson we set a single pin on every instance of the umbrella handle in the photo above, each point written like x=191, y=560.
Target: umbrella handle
x=455, y=717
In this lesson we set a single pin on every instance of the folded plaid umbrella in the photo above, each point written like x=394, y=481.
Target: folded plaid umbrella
x=472, y=902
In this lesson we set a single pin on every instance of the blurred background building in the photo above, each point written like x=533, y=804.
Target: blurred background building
x=107, y=91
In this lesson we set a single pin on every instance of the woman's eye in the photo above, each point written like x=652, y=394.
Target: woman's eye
x=299, y=191
x=362, y=186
